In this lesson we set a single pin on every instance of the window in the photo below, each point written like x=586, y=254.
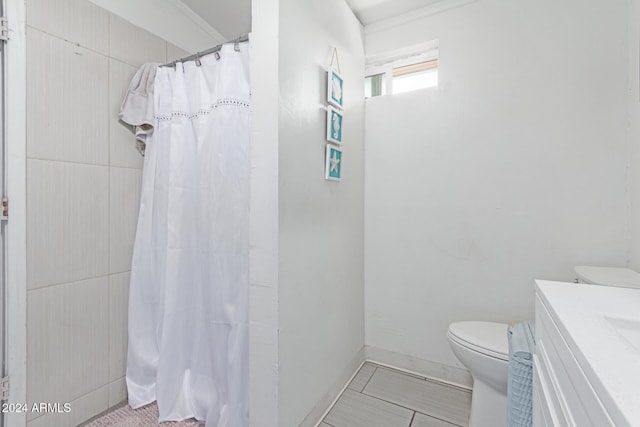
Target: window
x=414, y=68
x=416, y=76
x=374, y=85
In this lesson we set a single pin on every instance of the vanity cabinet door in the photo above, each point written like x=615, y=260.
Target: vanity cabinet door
x=569, y=394
x=544, y=413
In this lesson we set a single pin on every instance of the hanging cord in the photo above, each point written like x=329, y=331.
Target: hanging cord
x=334, y=58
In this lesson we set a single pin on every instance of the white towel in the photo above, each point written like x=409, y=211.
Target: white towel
x=137, y=106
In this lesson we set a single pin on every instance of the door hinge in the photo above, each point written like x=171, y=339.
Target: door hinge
x=5, y=209
x=4, y=29
x=5, y=388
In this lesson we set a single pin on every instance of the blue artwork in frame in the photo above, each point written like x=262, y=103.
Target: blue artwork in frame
x=333, y=164
x=334, y=88
x=334, y=125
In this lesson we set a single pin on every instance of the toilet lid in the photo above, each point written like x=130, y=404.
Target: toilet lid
x=609, y=276
x=489, y=338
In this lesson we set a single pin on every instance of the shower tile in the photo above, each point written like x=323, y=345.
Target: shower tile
x=67, y=222
x=67, y=101
x=122, y=141
x=358, y=410
x=134, y=45
x=117, y=392
x=421, y=420
x=362, y=377
x=78, y=21
x=123, y=207
x=174, y=52
x=118, y=314
x=431, y=398
x=82, y=409
x=67, y=344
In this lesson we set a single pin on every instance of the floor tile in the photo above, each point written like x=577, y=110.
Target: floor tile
x=421, y=420
x=362, y=378
x=428, y=397
x=398, y=371
x=357, y=410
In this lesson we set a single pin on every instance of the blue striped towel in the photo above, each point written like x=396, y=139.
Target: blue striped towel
x=520, y=378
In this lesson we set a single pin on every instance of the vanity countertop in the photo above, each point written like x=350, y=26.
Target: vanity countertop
x=601, y=325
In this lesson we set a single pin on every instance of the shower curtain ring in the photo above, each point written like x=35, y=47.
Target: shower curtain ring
x=218, y=52
x=198, y=63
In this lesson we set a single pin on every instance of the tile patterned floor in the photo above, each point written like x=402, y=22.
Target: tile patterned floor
x=382, y=397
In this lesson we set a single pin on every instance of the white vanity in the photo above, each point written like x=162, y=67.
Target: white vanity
x=587, y=361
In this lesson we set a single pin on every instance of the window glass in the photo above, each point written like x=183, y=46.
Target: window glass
x=374, y=85
x=403, y=75
x=409, y=82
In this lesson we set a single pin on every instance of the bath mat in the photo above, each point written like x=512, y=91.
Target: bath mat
x=141, y=417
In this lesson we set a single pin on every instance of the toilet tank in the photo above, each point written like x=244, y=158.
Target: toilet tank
x=608, y=276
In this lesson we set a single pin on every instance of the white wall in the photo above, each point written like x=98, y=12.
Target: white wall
x=321, y=313
x=83, y=183
x=634, y=131
x=513, y=169
x=263, y=237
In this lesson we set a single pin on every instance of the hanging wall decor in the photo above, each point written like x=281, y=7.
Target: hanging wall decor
x=334, y=125
x=333, y=158
x=334, y=88
x=333, y=163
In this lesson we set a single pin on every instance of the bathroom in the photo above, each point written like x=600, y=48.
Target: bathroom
x=522, y=163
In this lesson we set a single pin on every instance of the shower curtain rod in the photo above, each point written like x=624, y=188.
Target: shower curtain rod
x=199, y=55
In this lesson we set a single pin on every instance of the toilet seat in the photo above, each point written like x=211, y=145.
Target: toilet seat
x=488, y=338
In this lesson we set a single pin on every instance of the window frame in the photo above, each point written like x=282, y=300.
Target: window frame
x=386, y=64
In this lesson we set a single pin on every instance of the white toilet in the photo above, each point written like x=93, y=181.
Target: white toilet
x=483, y=349
x=608, y=276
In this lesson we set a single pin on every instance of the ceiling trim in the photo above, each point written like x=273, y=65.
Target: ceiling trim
x=413, y=15
x=427, y=49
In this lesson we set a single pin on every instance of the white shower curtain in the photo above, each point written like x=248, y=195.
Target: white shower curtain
x=188, y=297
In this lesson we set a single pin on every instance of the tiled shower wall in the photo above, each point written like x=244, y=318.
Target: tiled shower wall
x=83, y=185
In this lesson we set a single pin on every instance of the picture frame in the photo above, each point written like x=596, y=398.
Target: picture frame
x=333, y=163
x=334, y=88
x=334, y=125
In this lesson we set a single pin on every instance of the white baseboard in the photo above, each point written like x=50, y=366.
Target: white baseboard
x=319, y=411
x=425, y=368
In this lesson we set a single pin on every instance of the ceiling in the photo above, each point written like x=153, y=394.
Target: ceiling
x=370, y=11
x=231, y=18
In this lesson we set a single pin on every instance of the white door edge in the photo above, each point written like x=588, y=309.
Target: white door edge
x=16, y=191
